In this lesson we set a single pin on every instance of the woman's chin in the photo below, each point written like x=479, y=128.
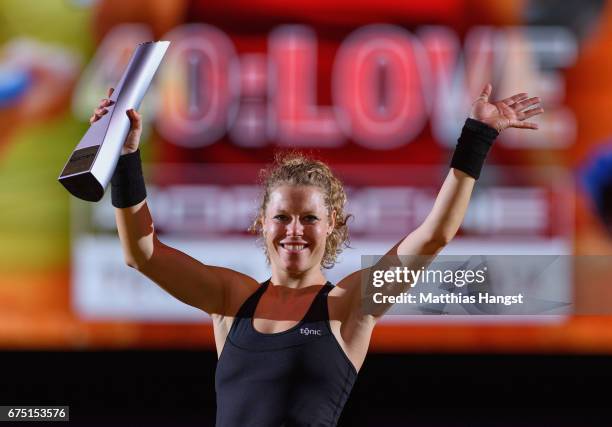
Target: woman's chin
x=295, y=269
x=295, y=266
x=292, y=262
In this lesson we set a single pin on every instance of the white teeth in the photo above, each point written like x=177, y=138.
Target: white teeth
x=294, y=247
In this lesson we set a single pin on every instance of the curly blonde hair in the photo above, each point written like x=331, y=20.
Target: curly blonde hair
x=296, y=168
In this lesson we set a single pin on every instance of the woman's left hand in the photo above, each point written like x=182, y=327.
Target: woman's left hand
x=509, y=112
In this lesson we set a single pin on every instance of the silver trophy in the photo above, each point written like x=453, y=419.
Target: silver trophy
x=92, y=163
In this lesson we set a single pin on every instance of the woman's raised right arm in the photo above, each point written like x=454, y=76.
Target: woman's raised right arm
x=214, y=290
x=187, y=279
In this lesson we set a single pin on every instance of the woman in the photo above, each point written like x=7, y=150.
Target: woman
x=290, y=348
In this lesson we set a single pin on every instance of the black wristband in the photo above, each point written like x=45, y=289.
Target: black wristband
x=127, y=184
x=472, y=147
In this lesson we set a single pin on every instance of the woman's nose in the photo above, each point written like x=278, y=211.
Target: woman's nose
x=295, y=228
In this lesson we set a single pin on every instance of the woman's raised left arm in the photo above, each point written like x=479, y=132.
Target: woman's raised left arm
x=487, y=119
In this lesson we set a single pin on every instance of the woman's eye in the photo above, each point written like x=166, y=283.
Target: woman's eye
x=280, y=217
x=310, y=218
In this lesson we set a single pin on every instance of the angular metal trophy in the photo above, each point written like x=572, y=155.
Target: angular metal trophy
x=92, y=163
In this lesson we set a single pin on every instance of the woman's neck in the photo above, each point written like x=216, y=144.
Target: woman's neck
x=297, y=280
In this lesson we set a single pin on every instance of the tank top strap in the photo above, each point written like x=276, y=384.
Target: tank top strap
x=247, y=309
x=318, y=310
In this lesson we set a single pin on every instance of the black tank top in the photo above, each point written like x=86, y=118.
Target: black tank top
x=298, y=377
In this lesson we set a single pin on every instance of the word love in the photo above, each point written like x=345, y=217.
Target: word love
x=386, y=83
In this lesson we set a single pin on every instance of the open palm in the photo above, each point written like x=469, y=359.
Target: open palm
x=509, y=112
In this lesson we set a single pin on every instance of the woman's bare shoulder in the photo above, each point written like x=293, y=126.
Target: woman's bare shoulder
x=241, y=286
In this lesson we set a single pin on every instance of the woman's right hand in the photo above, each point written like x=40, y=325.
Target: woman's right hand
x=133, y=138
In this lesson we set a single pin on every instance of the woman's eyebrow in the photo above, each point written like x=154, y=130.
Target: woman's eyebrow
x=304, y=212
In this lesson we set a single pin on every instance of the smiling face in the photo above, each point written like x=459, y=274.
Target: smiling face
x=296, y=225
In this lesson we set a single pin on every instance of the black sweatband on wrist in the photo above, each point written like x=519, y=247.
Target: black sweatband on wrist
x=472, y=147
x=127, y=184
